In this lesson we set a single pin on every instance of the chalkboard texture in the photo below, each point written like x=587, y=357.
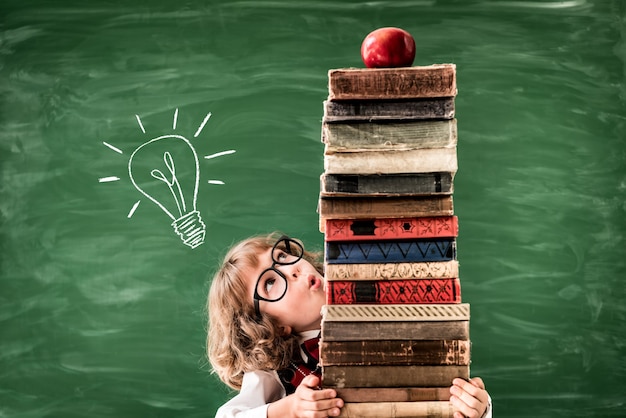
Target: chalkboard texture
x=101, y=300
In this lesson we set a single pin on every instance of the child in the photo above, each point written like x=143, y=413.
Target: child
x=264, y=319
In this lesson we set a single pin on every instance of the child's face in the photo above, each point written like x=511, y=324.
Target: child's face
x=299, y=310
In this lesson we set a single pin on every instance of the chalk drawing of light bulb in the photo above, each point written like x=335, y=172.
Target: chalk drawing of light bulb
x=166, y=171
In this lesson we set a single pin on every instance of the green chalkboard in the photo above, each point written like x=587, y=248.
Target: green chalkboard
x=101, y=302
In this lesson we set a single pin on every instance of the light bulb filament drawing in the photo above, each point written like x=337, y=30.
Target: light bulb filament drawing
x=177, y=194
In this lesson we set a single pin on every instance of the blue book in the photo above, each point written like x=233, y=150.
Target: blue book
x=391, y=251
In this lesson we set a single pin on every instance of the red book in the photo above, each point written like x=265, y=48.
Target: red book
x=413, y=291
x=390, y=228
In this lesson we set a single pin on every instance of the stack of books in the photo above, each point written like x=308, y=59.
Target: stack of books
x=394, y=331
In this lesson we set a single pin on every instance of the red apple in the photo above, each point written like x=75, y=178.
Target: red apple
x=388, y=47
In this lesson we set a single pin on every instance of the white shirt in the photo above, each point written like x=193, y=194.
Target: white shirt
x=260, y=388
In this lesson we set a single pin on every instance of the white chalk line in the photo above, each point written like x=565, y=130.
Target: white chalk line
x=108, y=179
x=206, y=119
x=219, y=154
x=119, y=151
x=133, y=209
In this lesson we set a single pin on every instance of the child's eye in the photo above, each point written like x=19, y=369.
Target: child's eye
x=282, y=256
x=267, y=286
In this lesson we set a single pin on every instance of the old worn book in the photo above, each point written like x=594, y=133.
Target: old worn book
x=391, y=271
x=438, y=80
x=395, y=352
x=387, y=330
x=407, y=184
x=391, y=376
x=426, y=409
x=389, y=110
x=356, y=207
x=409, y=291
x=389, y=136
x=382, y=394
x=440, y=249
x=395, y=313
x=395, y=322
x=424, y=160
x=391, y=228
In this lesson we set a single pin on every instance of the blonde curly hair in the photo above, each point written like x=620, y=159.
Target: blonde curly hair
x=238, y=342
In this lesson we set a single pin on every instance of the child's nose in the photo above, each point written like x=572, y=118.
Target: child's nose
x=294, y=272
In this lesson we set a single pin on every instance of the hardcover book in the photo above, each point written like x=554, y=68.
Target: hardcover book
x=424, y=160
x=429, y=409
x=391, y=376
x=442, y=249
x=391, y=228
x=391, y=271
x=395, y=322
x=389, y=136
x=401, y=330
x=394, y=291
x=437, y=80
x=407, y=184
x=395, y=313
x=389, y=110
x=395, y=352
x=382, y=394
x=357, y=207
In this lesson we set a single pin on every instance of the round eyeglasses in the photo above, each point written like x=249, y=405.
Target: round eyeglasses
x=271, y=285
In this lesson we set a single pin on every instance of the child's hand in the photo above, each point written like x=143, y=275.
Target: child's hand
x=470, y=398
x=310, y=402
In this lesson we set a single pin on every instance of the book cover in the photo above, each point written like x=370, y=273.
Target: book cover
x=389, y=136
x=427, y=409
x=356, y=207
x=389, y=110
x=410, y=291
x=391, y=228
x=391, y=376
x=395, y=352
x=383, y=394
x=406, y=184
x=442, y=249
x=438, y=80
x=424, y=160
x=391, y=271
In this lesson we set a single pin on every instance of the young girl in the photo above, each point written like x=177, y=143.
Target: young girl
x=264, y=319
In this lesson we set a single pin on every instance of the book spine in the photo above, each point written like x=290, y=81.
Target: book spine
x=395, y=352
x=389, y=110
x=406, y=184
x=394, y=291
x=391, y=376
x=391, y=271
x=395, y=313
x=428, y=409
x=390, y=207
x=391, y=228
x=382, y=394
x=391, y=251
x=389, y=136
x=392, y=83
x=425, y=160
x=406, y=330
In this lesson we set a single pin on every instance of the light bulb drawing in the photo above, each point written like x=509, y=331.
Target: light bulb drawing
x=166, y=170
x=162, y=159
